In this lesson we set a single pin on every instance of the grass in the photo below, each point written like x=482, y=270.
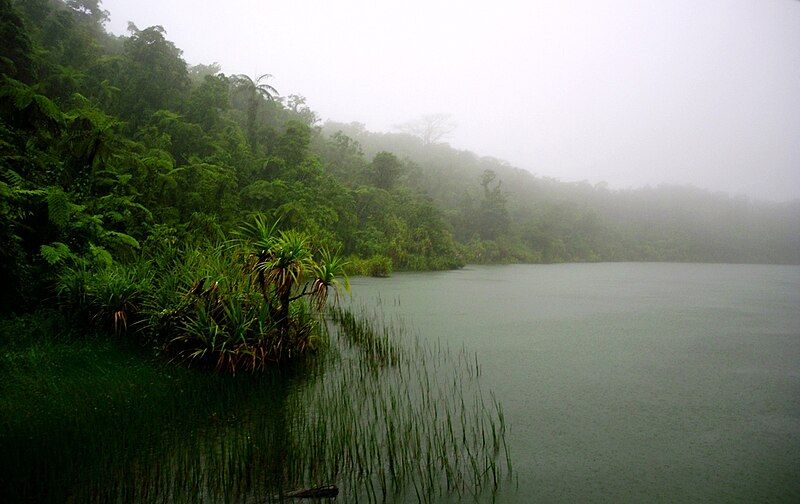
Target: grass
x=377, y=342
x=86, y=419
x=419, y=425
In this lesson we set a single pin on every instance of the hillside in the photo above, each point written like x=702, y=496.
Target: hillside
x=110, y=145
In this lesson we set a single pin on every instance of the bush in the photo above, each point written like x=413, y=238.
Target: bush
x=243, y=304
x=110, y=298
x=379, y=266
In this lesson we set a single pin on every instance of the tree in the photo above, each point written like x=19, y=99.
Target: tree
x=430, y=128
x=255, y=91
x=284, y=261
x=297, y=104
x=292, y=146
x=207, y=100
x=17, y=48
x=343, y=156
x=199, y=72
x=154, y=75
x=493, y=215
x=91, y=9
x=385, y=169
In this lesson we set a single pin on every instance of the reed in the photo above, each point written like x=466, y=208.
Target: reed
x=98, y=421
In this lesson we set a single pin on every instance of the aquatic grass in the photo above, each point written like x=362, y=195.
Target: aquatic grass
x=100, y=423
x=418, y=426
x=375, y=341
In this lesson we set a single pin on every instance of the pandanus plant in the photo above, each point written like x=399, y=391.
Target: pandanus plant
x=290, y=262
x=259, y=238
x=327, y=272
x=283, y=262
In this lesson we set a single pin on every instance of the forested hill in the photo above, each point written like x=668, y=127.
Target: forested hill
x=551, y=221
x=109, y=145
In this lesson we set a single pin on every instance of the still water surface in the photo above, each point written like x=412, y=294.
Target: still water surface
x=628, y=382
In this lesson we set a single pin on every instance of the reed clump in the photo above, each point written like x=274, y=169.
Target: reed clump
x=376, y=342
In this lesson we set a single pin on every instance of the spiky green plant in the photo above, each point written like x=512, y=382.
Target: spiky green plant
x=291, y=260
x=259, y=235
x=287, y=265
x=116, y=294
x=259, y=238
x=327, y=273
x=71, y=288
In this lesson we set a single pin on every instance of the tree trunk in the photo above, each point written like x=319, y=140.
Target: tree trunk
x=283, y=312
x=252, y=112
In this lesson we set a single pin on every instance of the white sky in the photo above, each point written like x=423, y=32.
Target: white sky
x=636, y=92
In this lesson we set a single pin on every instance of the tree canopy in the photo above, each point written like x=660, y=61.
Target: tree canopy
x=107, y=143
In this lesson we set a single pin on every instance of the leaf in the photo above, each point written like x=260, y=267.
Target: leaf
x=55, y=253
x=59, y=207
x=48, y=109
x=12, y=177
x=118, y=238
x=24, y=96
x=100, y=256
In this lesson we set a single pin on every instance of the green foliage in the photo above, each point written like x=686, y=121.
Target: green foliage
x=25, y=107
x=111, y=147
x=536, y=219
x=59, y=208
x=56, y=253
x=253, y=91
x=240, y=306
x=327, y=271
x=384, y=170
x=293, y=144
x=492, y=213
x=375, y=266
x=17, y=47
x=147, y=53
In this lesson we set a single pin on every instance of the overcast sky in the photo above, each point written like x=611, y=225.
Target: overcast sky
x=702, y=92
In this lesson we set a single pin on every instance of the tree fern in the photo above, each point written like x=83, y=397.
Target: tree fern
x=25, y=99
x=116, y=238
x=100, y=256
x=59, y=207
x=13, y=178
x=48, y=109
x=56, y=253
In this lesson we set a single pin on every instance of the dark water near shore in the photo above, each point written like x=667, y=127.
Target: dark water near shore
x=618, y=383
x=628, y=382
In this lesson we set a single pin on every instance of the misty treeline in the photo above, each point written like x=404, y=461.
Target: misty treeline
x=521, y=217
x=110, y=143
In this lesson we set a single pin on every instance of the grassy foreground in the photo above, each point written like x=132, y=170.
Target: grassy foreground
x=86, y=419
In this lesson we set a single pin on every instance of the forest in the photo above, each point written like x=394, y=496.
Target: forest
x=125, y=173
x=176, y=250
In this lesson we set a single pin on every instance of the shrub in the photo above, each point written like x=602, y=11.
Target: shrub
x=379, y=266
x=247, y=303
x=109, y=298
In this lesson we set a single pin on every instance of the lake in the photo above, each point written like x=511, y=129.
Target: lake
x=627, y=381
x=598, y=382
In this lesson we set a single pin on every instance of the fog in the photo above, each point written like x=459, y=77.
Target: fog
x=628, y=92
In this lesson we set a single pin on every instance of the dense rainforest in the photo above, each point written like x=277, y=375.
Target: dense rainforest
x=114, y=153
x=153, y=211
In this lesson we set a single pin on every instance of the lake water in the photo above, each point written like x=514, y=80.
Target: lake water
x=628, y=382
x=618, y=383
